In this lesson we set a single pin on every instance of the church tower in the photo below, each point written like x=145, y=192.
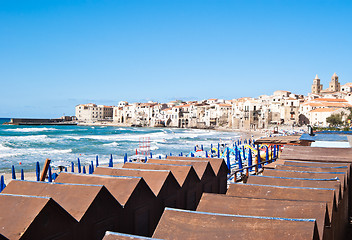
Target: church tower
x=316, y=86
x=334, y=84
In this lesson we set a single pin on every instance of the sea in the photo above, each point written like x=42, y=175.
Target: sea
x=23, y=146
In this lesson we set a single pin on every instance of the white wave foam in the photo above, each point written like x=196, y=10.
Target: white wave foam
x=30, y=129
x=113, y=144
x=7, y=152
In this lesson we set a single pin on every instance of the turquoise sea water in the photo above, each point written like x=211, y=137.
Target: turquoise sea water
x=28, y=144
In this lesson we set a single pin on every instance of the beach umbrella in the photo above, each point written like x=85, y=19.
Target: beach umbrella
x=195, y=148
x=181, y=154
x=50, y=177
x=244, y=152
x=206, y=154
x=159, y=156
x=170, y=154
x=240, y=166
x=258, y=156
x=250, y=162
x=13, y=172
x=202, y=147
x=79, y=165
x=151, y=155
x=72, y=167
x=228, y=159
x=146, y=159
x=90, y=171
x=37, y=170
x=111, y=164
x=274, y=152
x=249, y=142
x=218, y=150
x=125, y=158
x=2, y=183
x=267, y=154
x=91, y=163
x=192, y=155
x=84, y=169
x=65, y=169
x=96, y=161
x=22, y=174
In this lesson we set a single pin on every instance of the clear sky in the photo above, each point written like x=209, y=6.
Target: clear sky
x=55, y=54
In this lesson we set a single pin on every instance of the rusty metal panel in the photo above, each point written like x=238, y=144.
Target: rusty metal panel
x=177, y=224
x=318, y=154
x=162, y=182
x=132, y=192
x=342, y=176
x=203, y=169
x=224, y=204
x=30, y=217
x=291, y=193
x=92, y=206
x=122, y=236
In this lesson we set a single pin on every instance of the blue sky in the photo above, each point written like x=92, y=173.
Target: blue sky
x=55, y=54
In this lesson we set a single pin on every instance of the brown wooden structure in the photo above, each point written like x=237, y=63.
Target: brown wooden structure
x=219, y=166
x=186, y=176
x=203, y=169
x=224, y=204
x=162, y=182
x=29, y=217
x=92, y=206
x=141, y=208
x=123, y=236
x=176, y=224
x=326, y=195
x=284, y=140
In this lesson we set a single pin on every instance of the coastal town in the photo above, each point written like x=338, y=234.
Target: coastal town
x=282, y=108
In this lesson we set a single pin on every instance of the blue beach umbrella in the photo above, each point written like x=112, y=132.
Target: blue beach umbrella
x=244, y=153
x=37, y=170
x=151, y=155
x=79, y=165
x=170, y=154
x=206, y=154
x=181, y=154
x=2, y=183
x=228, y=159
x=240, y=166
x=258, y=157
x=72, y=167
x=267, y=154
x=96, y=161
x=22, y=174
x=202, y=147
x=90, y=171
x=159, y=156
x=192, y=155
x=250, y=162
x=84, y=170
x=195, y=148
x=13, y=172
x=50, y=178
x=111, y=164
x=274, y=152
x=125, y=158
x=92, y=166
x=146, y=159
x=65, y=169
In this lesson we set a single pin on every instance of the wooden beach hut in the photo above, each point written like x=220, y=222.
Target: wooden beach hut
x=176, y=224
x=186, y=176
x=162, y=182
x=203, y=169
x=219, y=167
x=30, y=217
x=218, y=203
x=94, y=208
x=141, y=208
x=327, y=195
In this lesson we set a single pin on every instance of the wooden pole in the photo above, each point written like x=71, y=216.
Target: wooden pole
x=45, y=169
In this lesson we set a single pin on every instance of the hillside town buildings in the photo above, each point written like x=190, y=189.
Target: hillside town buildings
x=280, y=108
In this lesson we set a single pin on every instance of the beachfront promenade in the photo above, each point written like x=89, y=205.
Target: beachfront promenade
x=299, y=193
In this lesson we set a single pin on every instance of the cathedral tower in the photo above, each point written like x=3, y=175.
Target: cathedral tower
x=316, y=86
x=334, y=84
